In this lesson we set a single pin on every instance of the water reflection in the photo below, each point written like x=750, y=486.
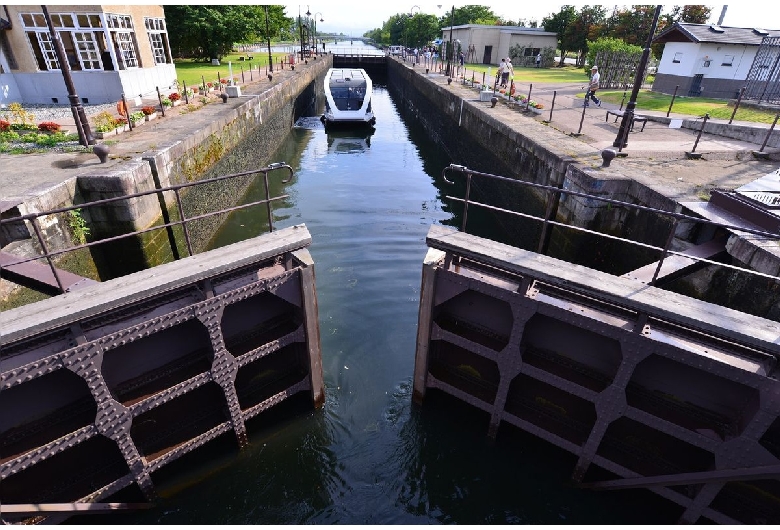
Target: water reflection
x=350, y=141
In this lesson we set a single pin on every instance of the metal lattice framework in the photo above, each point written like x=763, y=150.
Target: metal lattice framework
x=617, y=68
x=763, y=81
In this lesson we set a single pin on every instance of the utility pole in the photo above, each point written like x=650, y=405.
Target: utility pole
x=82, y=123
x=628, y=115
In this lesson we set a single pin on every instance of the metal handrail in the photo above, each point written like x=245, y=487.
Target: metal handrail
x=555, y=195
x=33, y=217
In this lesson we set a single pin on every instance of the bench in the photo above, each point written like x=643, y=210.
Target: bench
x=637, y=118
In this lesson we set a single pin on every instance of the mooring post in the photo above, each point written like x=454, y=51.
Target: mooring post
x=672, y=101
x=736, y=105
x=528, y=101
x=692, y=153
x=552, y=105
x=159, y=97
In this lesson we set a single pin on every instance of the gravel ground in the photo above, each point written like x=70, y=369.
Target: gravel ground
x=60, y=112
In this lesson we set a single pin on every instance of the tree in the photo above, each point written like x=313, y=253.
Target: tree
x=210, y=31
x=630, y=25
x=586, y=26
x=470, y=14
x=558, y=23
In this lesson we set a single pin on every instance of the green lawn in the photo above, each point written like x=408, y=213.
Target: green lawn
x=193, y=72
x=646, y=99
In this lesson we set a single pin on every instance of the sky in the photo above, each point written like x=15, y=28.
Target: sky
x=355, y=18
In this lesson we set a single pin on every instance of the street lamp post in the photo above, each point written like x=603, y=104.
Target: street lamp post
x=268, y=35
x=308, y=29
x=79, y=116
x=621, y=140
x=450, y=50
x=315, y=28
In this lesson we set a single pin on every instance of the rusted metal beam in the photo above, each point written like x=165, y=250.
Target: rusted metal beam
x=37, y=276
x=72, y=507
x=682, y=479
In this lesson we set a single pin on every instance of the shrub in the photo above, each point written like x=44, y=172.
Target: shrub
x=166, y=102
x=48, y=126
x=4, y=126
x=175, y=96
x=137, y=116
x=148, y=110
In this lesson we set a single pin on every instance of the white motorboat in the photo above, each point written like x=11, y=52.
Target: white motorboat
x=348, y=98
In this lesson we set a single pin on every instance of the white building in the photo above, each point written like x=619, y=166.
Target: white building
x=492, y=43
x=110, y=49
x=707, y=60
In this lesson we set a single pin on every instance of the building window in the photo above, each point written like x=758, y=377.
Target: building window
x=728, y=60
x=88, y=53
x=43, y=50
x=83, y=47
x=123, y=37
x=531, y=52
x=706, y=63
x=677, y=57
x=158, y=38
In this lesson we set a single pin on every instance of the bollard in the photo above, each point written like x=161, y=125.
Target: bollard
x=582, y=119
x=159, y=97
x=224, y=97
x=552, y=105
x=528, y=101
x=672, y=101
x=692, y=153
x=101, y=150
x=607, y=155
x=736, y=105
x=761, y=152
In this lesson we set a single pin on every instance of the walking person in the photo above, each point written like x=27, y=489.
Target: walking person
x=539, y=60
x=510, y=70
x=503, y=71
x=593, y=86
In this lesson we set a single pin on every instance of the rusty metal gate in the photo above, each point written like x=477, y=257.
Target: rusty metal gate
x=103, y=386
x=663, y=391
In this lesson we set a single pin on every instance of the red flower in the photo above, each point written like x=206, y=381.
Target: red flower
x=4, y=126
x=148, y=110
x=47, y=126
x=174, y=96
x=223, y=81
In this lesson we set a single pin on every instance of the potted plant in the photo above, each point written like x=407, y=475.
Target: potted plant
x=175, y=98
x=105, y=125
x=209, y=87
x=166, y=102
x=150, y=112
x=48, y=127
x=137, y=117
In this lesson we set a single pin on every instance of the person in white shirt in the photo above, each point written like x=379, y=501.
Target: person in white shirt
x=593, y=86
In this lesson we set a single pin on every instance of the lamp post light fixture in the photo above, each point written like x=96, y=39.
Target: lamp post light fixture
x=621, y=140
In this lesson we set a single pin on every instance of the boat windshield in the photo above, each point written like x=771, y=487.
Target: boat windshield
x=348, y=97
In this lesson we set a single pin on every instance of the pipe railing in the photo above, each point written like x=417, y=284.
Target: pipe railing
x=555, y=195
x=32, y=218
